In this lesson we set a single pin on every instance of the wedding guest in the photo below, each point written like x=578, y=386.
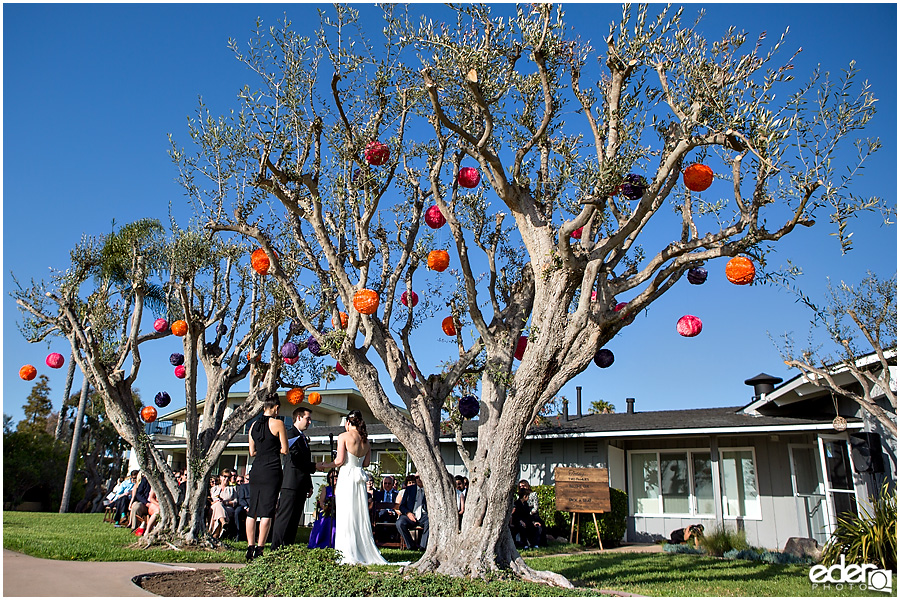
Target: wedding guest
x=268, y=441
x=413, y=512
x=322, y=534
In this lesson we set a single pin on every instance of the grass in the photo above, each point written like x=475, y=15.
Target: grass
x=86, y=537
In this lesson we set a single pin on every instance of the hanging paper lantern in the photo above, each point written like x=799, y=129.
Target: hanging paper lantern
x=162, y=399
x=221, y=329
x=438, y=260
x=259, y=261
x=180, y=371
x=340, y=369
x=377, y=153
x=449, y=326
x=312, y=344
x=697, y=275
x=148, y=414
x=410, y=300
x=619, y=307
x=468, y=177
x=697, y=177
x=468, y=407
x=315, y=398
x=176, y=359
x=296, y=327
x=604, y=358
x=633, y=187
x=577, y=233
x=434, y=218
x=179, y=327
x=291, y=361
x=740, y=270
x=28, y=372
x=344, y=320
x=412, y=372
x=689, y=326
x=55, y=360
x=295, y=395
x=366, y=301
x=160, y=325
x=289, y=350
x=520, y=347
x=593, y=296
x=253, y=357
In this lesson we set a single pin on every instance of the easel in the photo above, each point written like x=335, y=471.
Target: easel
x=573, y=534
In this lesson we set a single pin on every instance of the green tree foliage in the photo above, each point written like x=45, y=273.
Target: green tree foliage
x=38, y=409
x=601, y=407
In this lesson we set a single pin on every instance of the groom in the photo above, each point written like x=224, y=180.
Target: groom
x=296, y=484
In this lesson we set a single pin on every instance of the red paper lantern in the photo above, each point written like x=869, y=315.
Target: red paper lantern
x=160, y=324
x=55, y=360
x=315, y=398
x=434, y=218
x=291, y=361
x=366, y=301
x=179, y=327
x=28, y=372
x=340, y=369
x=377, y=153
x=180, y=371
x=259, y=261
x=468, y=177
x=577, y=233
x=344, y=320
x=410, y=300
x=520, y=347
x=689, y=326
x=295, y=395
x=698, y=178
x=449, y=326
x=438, y=260
x=740, y=270
x=412, y=372
x=148, y=414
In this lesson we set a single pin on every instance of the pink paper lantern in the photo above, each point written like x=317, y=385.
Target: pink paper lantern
x=410, y=300
x=291, y=361
x=577, y=233
x=340, y=369
x=377, y=153
x=689, y=326
x=434, y=218
x=412, y=372
x=180, y=371
x=160, y=324
x=468, y=177
x=55, y=360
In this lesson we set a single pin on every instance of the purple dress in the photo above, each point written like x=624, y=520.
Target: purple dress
x=322, y=534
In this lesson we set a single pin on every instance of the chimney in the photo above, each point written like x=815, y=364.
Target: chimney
x=578, y=396
x=762, y=384
x=630, y=402
x=565, y=409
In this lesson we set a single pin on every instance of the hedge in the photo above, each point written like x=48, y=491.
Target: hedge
x=612, y=524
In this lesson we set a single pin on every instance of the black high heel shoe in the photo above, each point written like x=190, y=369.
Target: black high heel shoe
x=257, y=551
x=251, y=553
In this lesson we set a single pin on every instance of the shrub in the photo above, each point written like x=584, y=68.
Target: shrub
x=869, y=538
x=766, y=556
x=682, y=549
x=612, y=524
x=722, y=539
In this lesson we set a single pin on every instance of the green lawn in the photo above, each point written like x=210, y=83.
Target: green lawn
x=86, y=537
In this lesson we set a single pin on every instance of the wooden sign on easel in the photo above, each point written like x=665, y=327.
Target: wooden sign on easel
x=582, y=490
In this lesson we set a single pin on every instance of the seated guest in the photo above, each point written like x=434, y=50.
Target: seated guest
x=533, y=533
x=413, y=512
x=242, y=505
x=152, y=511
x=219, y=516
x=384, y=500
x=122, y=499
x=140, y=495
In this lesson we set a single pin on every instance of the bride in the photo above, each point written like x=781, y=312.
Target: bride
x=353, y=528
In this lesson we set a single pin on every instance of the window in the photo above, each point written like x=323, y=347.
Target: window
x=672, y=483
x=740, y=495
x=392, y=462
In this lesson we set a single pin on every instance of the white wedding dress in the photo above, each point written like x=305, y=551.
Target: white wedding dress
x=353, y=528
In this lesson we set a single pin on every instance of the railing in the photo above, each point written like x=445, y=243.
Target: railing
x=160, y=427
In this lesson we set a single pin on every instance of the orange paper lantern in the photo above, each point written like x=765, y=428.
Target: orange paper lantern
x=315, y=398
x=740, y=270
x=344, y=320
x=28, y=372
x=366, y=301
x=295, y=395
x=148, y=414
x=259, y=261
x=449, y=326
x=179, y=327
x=698, y=178
x=438, y=260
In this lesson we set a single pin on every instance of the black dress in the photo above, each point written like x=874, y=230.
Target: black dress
x=265, y=475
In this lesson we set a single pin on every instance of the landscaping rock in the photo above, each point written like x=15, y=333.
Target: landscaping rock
x=803, y=547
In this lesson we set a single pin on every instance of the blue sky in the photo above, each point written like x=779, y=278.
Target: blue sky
x=90, y=93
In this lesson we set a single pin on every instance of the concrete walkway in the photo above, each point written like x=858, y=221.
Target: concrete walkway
x=25, y=575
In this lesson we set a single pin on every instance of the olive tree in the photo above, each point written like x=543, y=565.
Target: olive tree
x=98, y=305
x=346, y=138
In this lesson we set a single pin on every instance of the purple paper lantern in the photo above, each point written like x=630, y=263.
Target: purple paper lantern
x=289, y=350
x=313, y=346
x=221, y=329
x=162, y=399
x=176, y=359
x=633, y=187
x=697, y=275
x=604, y=358
x=468, y=406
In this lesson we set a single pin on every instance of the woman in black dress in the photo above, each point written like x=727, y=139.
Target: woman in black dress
x=268, y=438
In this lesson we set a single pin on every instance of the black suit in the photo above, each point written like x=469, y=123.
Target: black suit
x=295, y=487
x=405, y=524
